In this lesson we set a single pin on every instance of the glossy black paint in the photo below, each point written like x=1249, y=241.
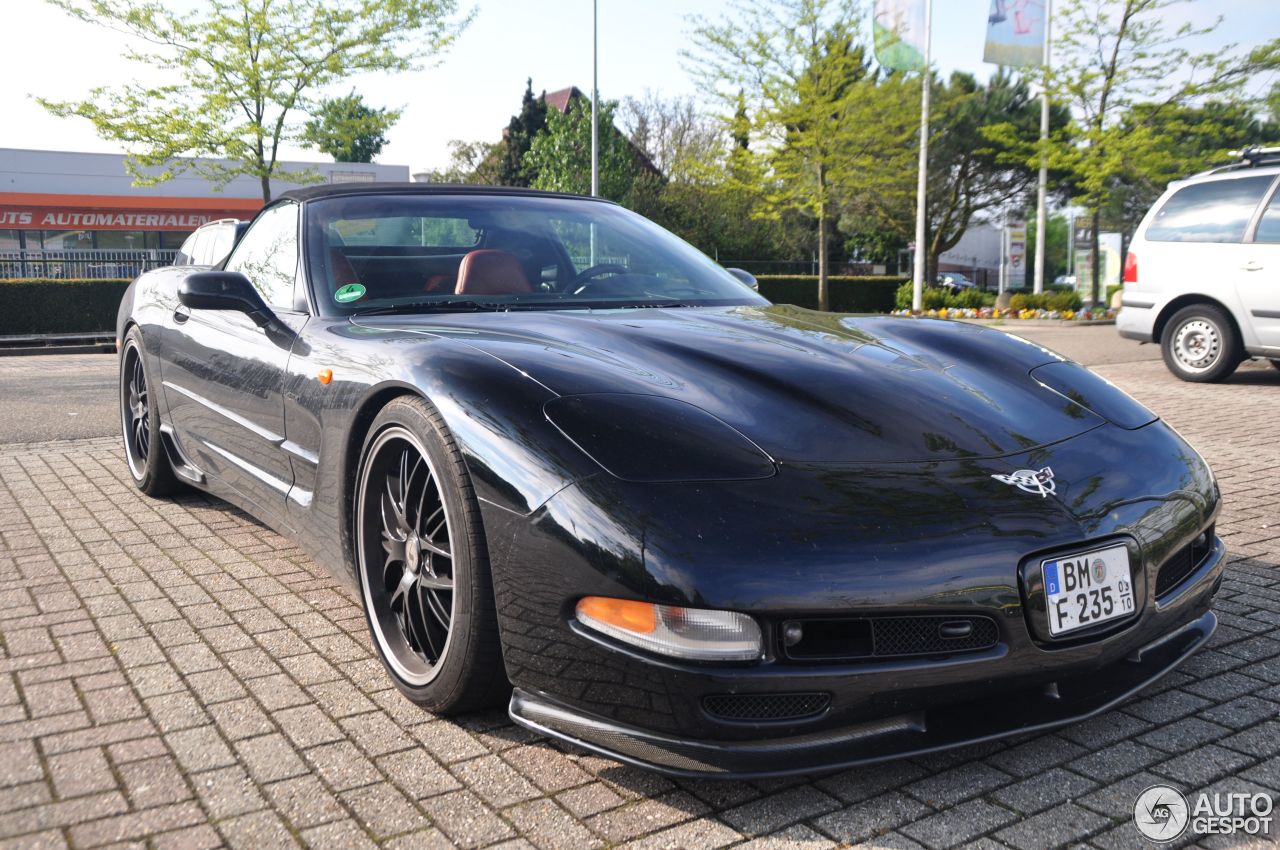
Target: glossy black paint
x=828, y=465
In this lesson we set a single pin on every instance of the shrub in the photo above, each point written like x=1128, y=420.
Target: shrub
x=905, y=295
x=39, y=306
x=1061, y=300
x=973, y=299
x=1021, y=301
x=849, y=293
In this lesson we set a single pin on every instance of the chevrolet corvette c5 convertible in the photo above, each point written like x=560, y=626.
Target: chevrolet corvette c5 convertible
x=568, y=462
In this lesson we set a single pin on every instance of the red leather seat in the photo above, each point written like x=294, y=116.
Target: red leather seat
x=491, y=272
x=340, y=268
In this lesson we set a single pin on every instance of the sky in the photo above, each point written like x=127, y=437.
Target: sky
x=475, y=88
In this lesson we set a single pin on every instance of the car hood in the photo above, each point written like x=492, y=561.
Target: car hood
x=804, y=386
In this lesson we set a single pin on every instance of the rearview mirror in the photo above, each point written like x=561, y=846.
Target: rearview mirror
x=219, y=290
x=746, y=278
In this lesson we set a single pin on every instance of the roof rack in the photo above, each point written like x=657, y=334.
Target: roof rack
x=1250, y=157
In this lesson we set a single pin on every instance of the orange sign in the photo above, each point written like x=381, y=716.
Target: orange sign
x=88, y=212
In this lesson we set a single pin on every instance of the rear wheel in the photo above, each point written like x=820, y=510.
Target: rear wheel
x=140, y=423
x=1200, y=344
x=423, y=566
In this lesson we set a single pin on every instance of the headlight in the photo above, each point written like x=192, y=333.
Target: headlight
x=1092, y=392
x=654, y=439
x=690, y=633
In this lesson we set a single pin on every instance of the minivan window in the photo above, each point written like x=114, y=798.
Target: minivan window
x=1269, y=225
x=1216, y=211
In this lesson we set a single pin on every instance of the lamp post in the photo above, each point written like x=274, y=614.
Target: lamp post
x=922, y=183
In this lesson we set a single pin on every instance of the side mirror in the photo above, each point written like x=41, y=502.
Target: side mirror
x=746, y=278
x=217, y=290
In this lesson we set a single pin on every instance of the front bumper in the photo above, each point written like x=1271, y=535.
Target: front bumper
x=1019, y=711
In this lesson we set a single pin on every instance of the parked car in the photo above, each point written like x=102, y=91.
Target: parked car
x=693, y=530
x=1065, y=280
x=210, y=243
x=1202, y=276
x=954, y=281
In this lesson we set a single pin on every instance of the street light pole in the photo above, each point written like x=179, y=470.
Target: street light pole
x=922, y=182
x=595, y=96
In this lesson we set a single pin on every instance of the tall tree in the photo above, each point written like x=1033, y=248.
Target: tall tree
x=561, y=155
x=981, y=140
x=471, y=162
x=523, y=128
x=1182, y=140
x=801, y=70
x=1112, y=55
x=347, y=129
x=239, y=75
x=673, y=133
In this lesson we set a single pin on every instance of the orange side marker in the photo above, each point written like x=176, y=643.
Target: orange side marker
x=325, y=376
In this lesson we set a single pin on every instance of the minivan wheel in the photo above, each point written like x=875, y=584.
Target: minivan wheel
x=1200, y=344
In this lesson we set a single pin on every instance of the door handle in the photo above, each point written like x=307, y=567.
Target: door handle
x=1252, y=266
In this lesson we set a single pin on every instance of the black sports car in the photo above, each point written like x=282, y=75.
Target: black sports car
x=556, y=448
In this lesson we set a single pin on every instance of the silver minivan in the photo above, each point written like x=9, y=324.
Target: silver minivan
x=1202, y=276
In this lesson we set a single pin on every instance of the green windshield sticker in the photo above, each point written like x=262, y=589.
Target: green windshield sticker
x=350, y=292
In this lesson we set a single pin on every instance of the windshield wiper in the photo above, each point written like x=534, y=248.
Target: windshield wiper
x=465, y=306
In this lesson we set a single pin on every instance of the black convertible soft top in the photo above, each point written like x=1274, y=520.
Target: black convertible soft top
x=311, y=193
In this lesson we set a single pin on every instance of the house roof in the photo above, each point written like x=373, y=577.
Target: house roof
x=559, y=100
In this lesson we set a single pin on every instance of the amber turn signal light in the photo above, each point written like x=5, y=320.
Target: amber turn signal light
x=625, y=614
x=325, y=376
x=691, y=633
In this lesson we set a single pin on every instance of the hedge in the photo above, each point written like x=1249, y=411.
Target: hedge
x=39, y=306
x=35, y=306
x=849, y=293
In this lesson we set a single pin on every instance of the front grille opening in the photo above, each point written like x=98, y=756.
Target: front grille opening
x=766, y=707
x=829, y=639
x=1181, y=564
x=886, y=637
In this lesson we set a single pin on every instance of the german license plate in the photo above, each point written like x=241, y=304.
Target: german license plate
x=1087, y=589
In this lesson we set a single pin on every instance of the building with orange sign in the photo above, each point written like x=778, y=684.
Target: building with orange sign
x=62, y=213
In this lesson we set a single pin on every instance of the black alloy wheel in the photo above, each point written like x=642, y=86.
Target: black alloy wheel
x=140, y=423
x=422, y=566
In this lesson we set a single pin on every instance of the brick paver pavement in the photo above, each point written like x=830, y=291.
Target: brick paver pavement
x=173, y=674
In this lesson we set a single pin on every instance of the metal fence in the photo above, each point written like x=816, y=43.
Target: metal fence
x=64, y=265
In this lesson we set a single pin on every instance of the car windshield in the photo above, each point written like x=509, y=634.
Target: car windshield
x=411, y=252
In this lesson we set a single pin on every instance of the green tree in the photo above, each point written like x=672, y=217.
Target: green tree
x=800, y=72
x=561, y=155
x=239, y=74
x=471, y=162
x=672, y=133
x=980, y=139
x=524, y=127
x=1113, y=55
x=347, y=129
x=1183, y=140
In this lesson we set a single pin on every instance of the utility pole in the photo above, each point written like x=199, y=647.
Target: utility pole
x=922, y=183
x=1042, y=215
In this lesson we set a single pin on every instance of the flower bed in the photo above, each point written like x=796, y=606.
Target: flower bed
x=996, y=313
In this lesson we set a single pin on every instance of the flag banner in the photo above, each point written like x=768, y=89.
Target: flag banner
x=1015, y=32
x=897, y=29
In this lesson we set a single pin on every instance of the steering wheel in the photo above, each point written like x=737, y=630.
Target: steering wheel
x=597, y=270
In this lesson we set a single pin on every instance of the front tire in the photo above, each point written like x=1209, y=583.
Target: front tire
x=1200, y=344
x=423, y=566
x=149, y=465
